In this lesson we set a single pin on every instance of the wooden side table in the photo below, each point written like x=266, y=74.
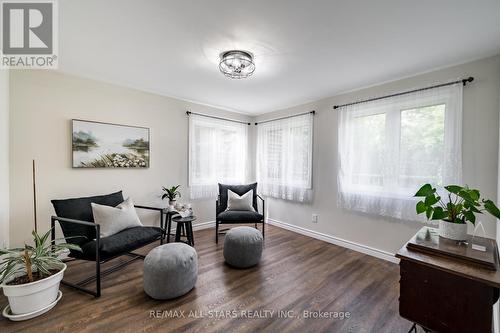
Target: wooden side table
x=184, y=229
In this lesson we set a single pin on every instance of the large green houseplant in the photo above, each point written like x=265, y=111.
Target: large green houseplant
x=461, y=204
x=30, y=276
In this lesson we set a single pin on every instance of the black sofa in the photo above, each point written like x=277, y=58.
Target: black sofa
x=77, y=223
x=237, y=216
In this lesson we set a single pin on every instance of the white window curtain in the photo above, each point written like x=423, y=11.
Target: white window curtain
x=390, y=147
x=217, y=154
x=284, y=158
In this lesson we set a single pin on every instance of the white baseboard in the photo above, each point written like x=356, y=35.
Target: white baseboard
x=196, y=226
x=204, y=225
x=336, y=241
x=318, y=235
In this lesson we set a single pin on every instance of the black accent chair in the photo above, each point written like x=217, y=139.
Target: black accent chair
x=238, y=216
x=76, y=220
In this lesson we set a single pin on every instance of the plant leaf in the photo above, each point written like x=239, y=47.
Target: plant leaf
x=43, y=256
x=469, y=216
x=491, y=208
x=421, y=207
x=37, y=238
x=425, y=190
x=68, y=246
x=464, y=194
x=474, y=194
x=454, y=188
x=431, y=200
x=439, y=213
x=428, y=212
x=471, y=207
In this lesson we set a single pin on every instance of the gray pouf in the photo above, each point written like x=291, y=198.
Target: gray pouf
x=243, y=247
x=170, y=270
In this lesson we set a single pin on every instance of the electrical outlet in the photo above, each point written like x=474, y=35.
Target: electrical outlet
x=314, y=218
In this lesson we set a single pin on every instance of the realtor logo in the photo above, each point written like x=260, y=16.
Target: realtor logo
x=29, y=34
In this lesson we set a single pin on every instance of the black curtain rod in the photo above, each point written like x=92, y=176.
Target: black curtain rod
x=295, y=115
x=463, y=81
x=220, y=118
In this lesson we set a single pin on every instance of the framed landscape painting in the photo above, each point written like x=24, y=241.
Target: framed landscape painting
x=103, y=145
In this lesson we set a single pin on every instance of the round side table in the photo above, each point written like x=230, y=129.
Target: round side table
x=184, y=229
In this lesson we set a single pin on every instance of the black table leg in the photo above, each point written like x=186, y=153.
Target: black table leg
x=190, y=235
x=169, y=227
x=178, y=232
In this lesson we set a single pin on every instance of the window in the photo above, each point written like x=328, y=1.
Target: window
x=390, y=147
x=217, y=154
x=284, y=158
x=422, y=145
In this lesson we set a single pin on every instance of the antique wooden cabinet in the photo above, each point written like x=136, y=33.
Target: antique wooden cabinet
x=445, y=294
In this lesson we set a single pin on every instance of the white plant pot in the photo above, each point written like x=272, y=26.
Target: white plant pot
x=30, y=297
x=455, y=231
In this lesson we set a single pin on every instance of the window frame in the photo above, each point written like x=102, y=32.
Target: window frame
x=393, y=113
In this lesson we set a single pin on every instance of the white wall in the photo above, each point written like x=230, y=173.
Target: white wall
x=4, y=158
x=42, y=105
x=480, y=157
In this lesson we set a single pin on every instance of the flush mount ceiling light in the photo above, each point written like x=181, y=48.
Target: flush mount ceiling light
x=236, y=64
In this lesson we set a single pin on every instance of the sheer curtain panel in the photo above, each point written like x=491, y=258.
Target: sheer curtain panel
x=284, y=158
x=217, y=154
x=390, y=147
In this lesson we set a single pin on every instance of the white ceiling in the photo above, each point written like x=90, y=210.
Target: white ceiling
x=304, y=49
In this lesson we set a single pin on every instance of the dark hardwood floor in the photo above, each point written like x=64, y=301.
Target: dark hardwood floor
x=297, y=273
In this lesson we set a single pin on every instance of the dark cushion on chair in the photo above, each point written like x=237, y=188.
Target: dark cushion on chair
x=80, y=209
x=238, y=189
x=120, y=243
x=239, y=216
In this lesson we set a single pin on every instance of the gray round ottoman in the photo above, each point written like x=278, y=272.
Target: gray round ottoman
x=170, y=270
x=243, y=247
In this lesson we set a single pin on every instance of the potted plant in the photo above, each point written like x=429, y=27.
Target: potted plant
x=461, y=205
x=30, y=276
x=171, y=193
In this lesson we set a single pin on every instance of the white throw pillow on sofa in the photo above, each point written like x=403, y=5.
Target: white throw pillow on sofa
x=115, y=219
x=240, y=202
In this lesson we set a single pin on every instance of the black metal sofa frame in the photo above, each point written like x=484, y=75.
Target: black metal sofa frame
x=95, y=253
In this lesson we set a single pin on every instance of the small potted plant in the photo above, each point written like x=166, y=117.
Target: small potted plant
x=171, y=193
x=30, y=276
x=461, y=205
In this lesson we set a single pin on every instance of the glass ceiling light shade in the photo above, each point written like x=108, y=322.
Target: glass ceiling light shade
x=236, y=64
